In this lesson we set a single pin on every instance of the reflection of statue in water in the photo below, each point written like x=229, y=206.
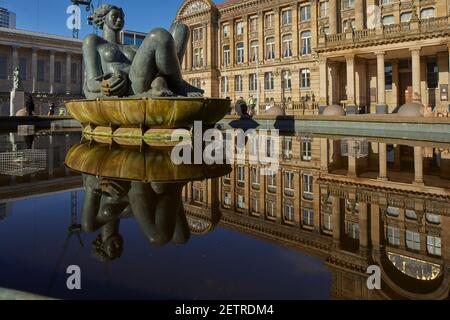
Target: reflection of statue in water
x=17, y=82
x=160, y=218
x=153, y=69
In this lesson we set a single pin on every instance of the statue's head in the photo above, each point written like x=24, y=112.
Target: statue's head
x=109, y=15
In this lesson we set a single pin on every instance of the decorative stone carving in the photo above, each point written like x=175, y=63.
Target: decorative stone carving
x=194, y=7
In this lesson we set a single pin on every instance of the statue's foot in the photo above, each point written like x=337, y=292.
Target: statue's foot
x=191, y=91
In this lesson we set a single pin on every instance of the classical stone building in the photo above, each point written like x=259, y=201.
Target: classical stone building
x=50, y=66
x=367, y=55
x=354, y=202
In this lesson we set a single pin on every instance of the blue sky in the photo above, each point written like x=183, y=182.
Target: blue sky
x=50, y=15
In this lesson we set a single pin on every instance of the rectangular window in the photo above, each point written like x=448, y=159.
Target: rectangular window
x=287, y=46
x=286, y=17
x=255, y=205
x=327, y=221
x=305, y=13
x=434, y=245
x=238, y=83
x=270, y=209
x=270, y=48
x=269, y=81
x=289, y=183
x=23, y=68
x=254, y=47
x=308, y=186
x=227, y=198
x=271, y=181
x=268, y=21
x=255, y=176
x=308, y=217
x=348, y=4
x=41, y=70
x=289, y=213
x=224, y=84
x=412, y=240
x=253, y=24
x=226, y=56
x=287, y=148
x=306, y=150
x=393, y=235
x=226, y=31
x=128, y=39
x=241, y=175
x=240, y=53
x=305, y=78
x=239, y=28
x=253, y=82
x=240, y=201
x=393, y=211
x=324, y=9
x=388, y=76
x=352, y=230
x=227, y=179
x=198, y=195
x=305, y=42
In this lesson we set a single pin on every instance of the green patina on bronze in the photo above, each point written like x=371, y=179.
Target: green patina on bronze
x=136, y=164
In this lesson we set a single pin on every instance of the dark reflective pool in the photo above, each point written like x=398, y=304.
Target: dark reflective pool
x=309, y=229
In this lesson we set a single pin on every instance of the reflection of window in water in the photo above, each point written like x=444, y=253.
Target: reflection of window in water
x=414, y=268
x=2, y=211
x=23, y=162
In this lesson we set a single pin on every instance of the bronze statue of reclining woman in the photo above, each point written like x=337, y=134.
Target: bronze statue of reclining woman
x=152, y=70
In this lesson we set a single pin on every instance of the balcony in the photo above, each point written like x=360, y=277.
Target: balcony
x=383, y=34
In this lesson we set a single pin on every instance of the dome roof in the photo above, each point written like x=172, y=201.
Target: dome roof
x=334, y=110
x=412, y=109
x=275, y=111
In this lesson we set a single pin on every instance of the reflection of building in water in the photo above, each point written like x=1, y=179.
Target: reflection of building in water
x=374, y=201
x=22, y=162
x=5, y=210
x=55, y=177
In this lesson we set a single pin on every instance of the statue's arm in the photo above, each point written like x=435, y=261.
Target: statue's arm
x=92, y=63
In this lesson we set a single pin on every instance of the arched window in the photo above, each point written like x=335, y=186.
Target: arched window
x=305, y=37
x=387, y=20
x=287, y=46
x=305, y=78
x=254, y=47
x=405, y=16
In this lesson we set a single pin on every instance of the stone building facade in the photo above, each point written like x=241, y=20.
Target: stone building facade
x=50, y=67
x=367, y=55
x=354, y=202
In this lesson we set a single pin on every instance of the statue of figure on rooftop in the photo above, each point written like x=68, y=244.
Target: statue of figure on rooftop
x=17, y=82
x=151, y=70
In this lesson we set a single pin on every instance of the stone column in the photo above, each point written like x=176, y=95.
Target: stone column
x=68, y=73
x=352, y=170
x=34, y=62
x=332, y=12
x=382, y=158
x=336, y=212
x=359, y=14
x=205, y=45
x=245, y=39
x=415, y=57
x=363, y=227
x=323, y=84
x=277, y=26
x=52, y=71
x=314, y=27
x=189, y=52
x=295, y=20
x=232, y=44
x=324, y=155
x=418, y=166
x=381, y=84
x=261, y=43
x=15, y=57
x=351, y=105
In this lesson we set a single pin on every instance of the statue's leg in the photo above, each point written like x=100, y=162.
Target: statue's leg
x=180, y=33
x=157, y=55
